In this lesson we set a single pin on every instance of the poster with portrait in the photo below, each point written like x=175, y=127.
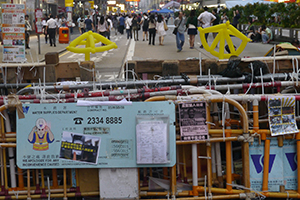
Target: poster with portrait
x=13, y=32
x=192, y=120
x=282, y=115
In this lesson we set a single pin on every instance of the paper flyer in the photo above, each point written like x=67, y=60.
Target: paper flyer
x=282, y=115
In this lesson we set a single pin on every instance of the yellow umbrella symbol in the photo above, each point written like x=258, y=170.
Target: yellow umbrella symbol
x=89, y=39
x=224, y=31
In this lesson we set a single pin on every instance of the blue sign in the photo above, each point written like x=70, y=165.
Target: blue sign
x=282, y=165
x=71, y=136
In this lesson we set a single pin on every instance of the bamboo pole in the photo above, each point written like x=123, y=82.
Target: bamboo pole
x=28, y=184
x=54, y=179
x=2, y=169
x=298, y=160
x=42, y=179
x=173, y=181
x=209, y=167
x=165, y=172
x=266, y=166
x=20, y=178
x=5, y=168
x=184, y=165
x=65, y=183
x=228, y=164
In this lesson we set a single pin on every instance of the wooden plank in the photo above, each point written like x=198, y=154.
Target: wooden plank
x=149, y=66
x=86, y=73
x=67, y=71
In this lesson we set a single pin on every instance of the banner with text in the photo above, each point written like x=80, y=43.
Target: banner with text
x=71, y=136
x=282, y=165
x=192, y=120
x=13, y=32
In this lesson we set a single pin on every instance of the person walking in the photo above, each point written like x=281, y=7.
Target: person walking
x=51, y=30
x=81, y=25
x=102, y=26
x=216, y=21
x=236, y=17
x=135, y=28
x=160, y=28
x=115, y=24
x=152, y=30
x=109, y=24
x=27, y=31
x=180, y=25
x=191, y=24
x=145, y=26
x=206, y=18
x=128, y=23
x=89, y=26
x=121, y=24
x=44, y=22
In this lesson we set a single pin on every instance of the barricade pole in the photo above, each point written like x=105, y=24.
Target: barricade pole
x=266, y=166
x=173, y=181
x=28, y=185
x=54, y=179
x=165, y=173
x=42, y=179
x=184, y=165
x=298, y=160
x=5, y=168
x=65, y=183
x=20, y=179
x=209, y=166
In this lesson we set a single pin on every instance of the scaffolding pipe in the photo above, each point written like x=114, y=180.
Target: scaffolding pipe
x=141, y=83
x=11, y=154
x=195, y=169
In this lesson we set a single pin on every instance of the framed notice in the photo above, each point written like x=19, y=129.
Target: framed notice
x=282, y=115
x=192, y=120
x=38, y=21
x=152, y=135
x=95, y=136
x=13, y=32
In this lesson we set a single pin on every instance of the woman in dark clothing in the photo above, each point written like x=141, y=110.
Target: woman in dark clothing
x=152, y=30
x=135, y=28
x=191, y=24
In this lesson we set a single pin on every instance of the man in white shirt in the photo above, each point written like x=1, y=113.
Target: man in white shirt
x=128, y=23
x=206, y=18
x=51, y=28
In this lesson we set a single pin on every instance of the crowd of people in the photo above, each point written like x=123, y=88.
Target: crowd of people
x=154, y=26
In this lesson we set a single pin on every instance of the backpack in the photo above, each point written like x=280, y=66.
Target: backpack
x=146, y=22
x=81, y=24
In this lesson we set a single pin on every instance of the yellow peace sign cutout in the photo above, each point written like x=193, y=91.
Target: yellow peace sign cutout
x=89, y=39
x=224, y=31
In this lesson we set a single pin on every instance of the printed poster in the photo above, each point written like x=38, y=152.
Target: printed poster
x=192, y=121
x=282, y=165
x=282, y=115
x=79, y=147
x=13, y=32
x=151, y=140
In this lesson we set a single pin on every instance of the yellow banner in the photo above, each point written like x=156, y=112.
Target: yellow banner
x=69, y=3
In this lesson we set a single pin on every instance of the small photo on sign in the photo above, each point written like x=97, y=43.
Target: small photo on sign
x=79, y=147
x=275, y=102
x=276, y=119
x=275, y=111
x=287, y=110
x=288, y=119
x=277, y=129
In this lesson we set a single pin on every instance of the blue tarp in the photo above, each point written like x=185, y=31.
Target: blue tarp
x=163, y=11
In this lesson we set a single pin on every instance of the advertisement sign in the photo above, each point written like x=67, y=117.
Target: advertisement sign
x=192, y=120
x=13, y=32
x=71, y=136
x=38, y=21
x=282, y=115
x=282, y=165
